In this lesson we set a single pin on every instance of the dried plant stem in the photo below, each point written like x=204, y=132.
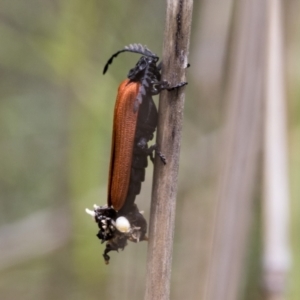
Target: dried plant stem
x=161, y=227
x=276, y=195
x=239, y=153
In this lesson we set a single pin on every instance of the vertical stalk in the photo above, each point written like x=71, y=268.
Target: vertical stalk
x=276, y=196
x=239, y=153
x=171, y=104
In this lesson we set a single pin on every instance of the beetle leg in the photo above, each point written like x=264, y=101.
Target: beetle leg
x=161, y=156
x=106, y=257
x=119, y=241
x=179, y=85
x=142, y=144
x=157, y=87
x=151, y=156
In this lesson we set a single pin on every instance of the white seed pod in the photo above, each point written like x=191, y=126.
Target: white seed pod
x=122, y=224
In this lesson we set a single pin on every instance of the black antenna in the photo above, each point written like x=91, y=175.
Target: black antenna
x=136, y=48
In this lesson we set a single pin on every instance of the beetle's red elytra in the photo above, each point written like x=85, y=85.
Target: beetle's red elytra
x=124, y=128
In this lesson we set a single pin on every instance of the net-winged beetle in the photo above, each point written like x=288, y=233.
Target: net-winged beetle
x=135, y=121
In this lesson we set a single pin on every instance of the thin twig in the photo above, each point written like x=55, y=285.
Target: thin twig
x=161, y=228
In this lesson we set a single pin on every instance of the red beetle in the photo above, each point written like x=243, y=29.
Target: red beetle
x=135, y=121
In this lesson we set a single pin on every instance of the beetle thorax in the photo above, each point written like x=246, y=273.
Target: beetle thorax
x=144, y=71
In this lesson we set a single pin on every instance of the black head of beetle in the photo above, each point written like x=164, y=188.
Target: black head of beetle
x=146, y=71
x=146, y=66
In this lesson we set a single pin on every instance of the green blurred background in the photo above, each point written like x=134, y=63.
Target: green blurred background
x=56, y=119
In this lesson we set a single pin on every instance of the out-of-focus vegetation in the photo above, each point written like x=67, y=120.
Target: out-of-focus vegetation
x=56, y=117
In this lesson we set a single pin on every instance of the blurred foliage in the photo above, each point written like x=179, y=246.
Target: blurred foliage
x=56, y=117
